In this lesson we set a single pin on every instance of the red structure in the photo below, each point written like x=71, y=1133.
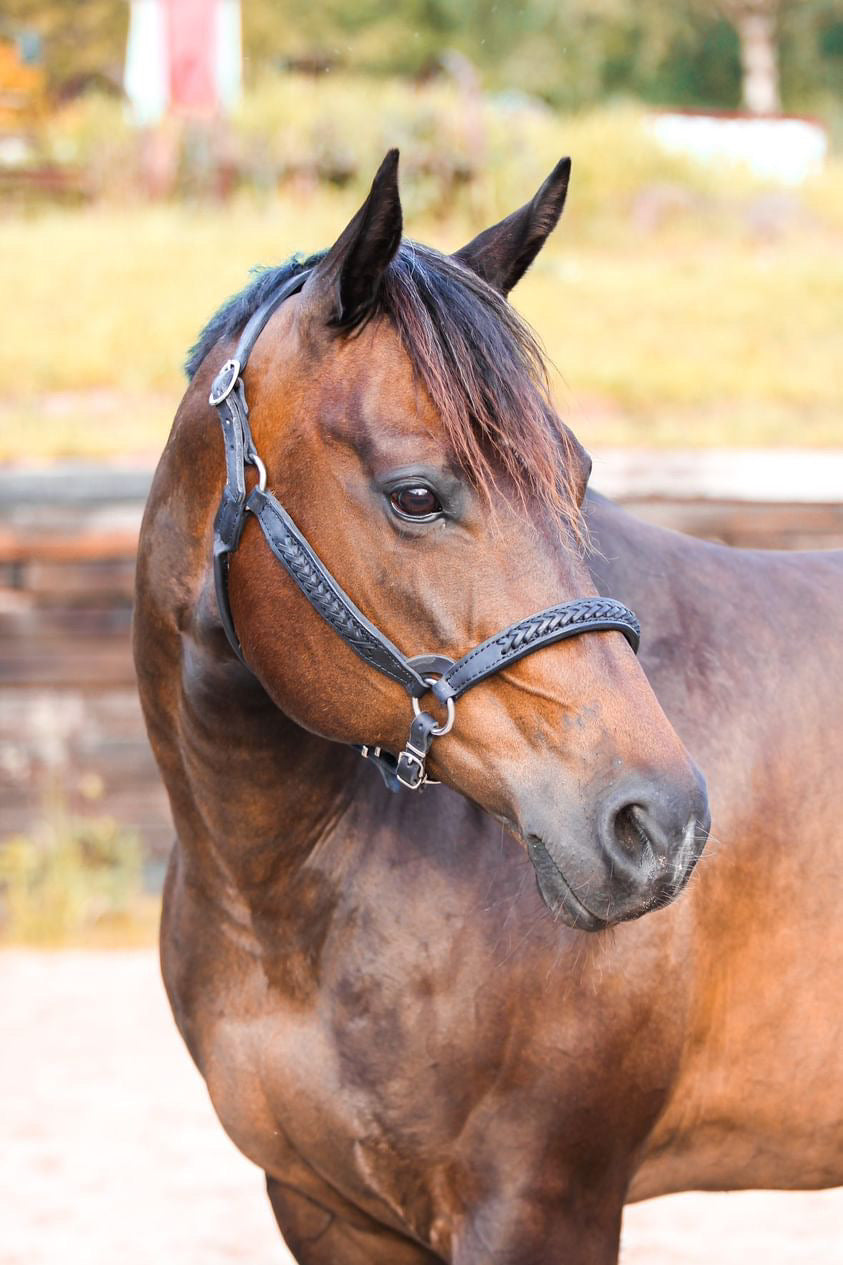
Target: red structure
x=183, y=57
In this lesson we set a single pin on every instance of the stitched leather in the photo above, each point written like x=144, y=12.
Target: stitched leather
x=325, y=595
x=585, y=614
x=228, y=524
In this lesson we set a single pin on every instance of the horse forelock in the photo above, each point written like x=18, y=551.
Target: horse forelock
x=479, y=362
x=485, y=373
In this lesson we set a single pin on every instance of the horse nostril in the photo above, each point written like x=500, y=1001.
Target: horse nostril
x=652, y=835
x=630, y=832
x=647, y=831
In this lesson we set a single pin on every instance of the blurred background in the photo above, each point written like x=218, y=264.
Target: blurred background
x=151, y=154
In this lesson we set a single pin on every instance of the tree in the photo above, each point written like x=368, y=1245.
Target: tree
x=757, y=23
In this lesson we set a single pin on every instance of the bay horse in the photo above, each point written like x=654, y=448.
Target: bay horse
x=439, y=1021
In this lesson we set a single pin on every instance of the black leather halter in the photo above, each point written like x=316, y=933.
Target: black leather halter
x=445, y=679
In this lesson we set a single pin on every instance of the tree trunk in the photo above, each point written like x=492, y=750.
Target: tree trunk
x=759, y=62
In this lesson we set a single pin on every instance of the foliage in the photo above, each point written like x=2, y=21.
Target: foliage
x=812, y=54
x=93, y=133
x=567, y=52
x=462, y=151
x=74, y=880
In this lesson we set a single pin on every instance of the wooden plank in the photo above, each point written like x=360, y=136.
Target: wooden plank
x=738, y=523
x=89, y=663
x=74, y=578
x=74, y=483
x=55, y=624
x=17, y=545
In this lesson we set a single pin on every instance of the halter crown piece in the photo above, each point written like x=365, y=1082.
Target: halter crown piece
x=445, y=679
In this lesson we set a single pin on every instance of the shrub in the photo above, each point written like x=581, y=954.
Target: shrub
x=73, y=878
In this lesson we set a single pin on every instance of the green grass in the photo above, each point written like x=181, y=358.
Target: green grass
x=697, y=329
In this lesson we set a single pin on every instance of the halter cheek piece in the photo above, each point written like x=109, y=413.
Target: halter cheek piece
x=445, y=679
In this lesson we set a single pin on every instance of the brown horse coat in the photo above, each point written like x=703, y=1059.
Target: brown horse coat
x=427, y=1064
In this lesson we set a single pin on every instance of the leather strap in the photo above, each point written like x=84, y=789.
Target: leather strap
x=228, y=524
x=327, y=598
x=228, y=396
x=409, y=767
x=255, y=325
x=585, y=614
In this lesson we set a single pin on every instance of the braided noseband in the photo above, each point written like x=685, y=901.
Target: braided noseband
x=447, y=680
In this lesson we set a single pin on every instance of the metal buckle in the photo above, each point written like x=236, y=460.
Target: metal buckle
x=224, y=382
x=415, y=759
x=412, y=758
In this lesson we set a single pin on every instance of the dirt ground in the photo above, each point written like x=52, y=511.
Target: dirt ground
x=111, y=1153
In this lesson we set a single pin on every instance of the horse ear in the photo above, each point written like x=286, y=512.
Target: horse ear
x=502, y=254
x=344, y=286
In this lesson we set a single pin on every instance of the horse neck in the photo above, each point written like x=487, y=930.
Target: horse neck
x=252, y=793
x=268, y=792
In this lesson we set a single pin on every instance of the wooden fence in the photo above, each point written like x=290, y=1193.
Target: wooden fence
x=69, y=716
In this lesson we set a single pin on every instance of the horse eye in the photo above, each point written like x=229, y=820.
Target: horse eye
x=415, y=502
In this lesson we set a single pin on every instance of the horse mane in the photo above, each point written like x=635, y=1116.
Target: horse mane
x=480, y=362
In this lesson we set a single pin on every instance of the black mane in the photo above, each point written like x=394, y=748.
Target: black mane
x=235, y=312
x=479, y=361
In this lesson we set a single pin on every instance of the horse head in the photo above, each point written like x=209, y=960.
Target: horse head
x=401, y=410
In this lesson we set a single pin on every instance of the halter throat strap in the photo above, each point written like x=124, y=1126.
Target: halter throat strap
x=446, y=679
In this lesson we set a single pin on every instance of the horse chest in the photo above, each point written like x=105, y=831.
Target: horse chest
x=370, y=1048
x=270, y=1075
x=398, y=1064
x=335, y=1092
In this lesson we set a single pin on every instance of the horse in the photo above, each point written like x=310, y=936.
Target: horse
x=469, y=1022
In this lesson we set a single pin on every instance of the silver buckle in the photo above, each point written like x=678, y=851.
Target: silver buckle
x=223, y=383
x=415, y=758
x=409, y=756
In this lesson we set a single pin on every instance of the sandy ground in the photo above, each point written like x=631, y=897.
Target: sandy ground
x=111, y=1152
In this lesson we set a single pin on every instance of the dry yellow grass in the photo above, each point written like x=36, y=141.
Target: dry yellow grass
x=74, y=881
x=694, y=334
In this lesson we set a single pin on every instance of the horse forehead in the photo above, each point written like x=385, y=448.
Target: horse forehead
x=366, y=384
x=372, y=360
x=358, y=389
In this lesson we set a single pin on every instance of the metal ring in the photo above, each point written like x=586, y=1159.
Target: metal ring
x=438, y=730
x=223, y=383
x=260, y=467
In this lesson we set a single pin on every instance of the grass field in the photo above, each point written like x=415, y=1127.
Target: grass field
x=683, y=316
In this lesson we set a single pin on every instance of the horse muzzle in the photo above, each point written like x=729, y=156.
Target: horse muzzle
x=644, y=843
